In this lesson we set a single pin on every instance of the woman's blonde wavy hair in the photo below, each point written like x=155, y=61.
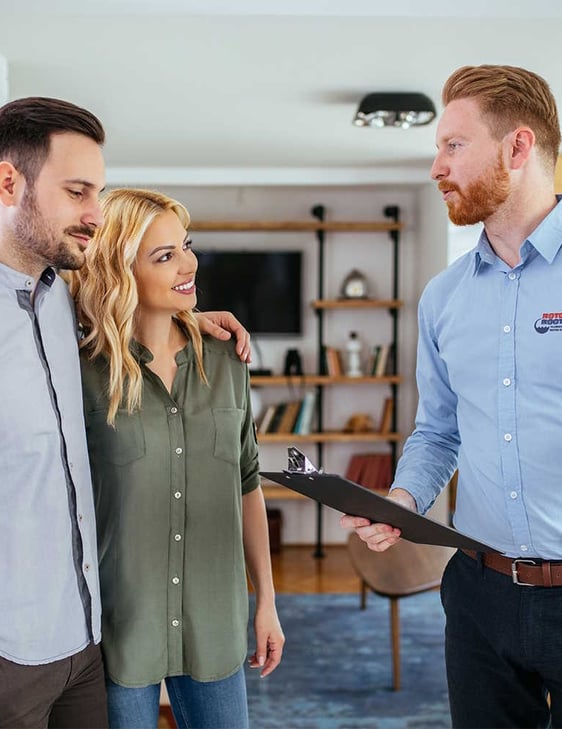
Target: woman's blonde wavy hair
x=105, y=291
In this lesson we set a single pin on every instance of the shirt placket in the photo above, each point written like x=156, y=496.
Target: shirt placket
x=507, y=421
x=177, y=538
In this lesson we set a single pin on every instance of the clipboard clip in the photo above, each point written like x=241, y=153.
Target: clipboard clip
x=298, y=462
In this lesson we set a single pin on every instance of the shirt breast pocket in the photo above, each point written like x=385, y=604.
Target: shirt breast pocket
x=120, y=445
x=228, y=426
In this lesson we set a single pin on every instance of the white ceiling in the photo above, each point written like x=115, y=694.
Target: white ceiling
x=200, y=91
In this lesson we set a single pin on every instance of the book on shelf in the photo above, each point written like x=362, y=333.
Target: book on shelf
x=289, y=417
x=390, y=365
x=386, y=416
x=373, y=359
x=382, y=360
x=303, y=425
x=371, y=470
x=266, y=419
x=380, y=368
x=275, y=421
x=334, y=366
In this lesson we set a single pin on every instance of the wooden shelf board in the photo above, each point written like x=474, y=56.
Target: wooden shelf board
x=306, y=380
x=342, y=226
x=272, y=490
x=329, y=436
x=357, y=304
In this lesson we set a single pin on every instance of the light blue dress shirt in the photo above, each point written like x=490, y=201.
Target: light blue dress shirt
x=49, y=587
x=489, y=375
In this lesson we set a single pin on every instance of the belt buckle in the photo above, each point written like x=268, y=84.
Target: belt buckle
x=515, y=576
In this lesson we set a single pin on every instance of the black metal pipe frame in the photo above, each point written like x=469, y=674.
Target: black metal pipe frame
x=392, y=212
x=319, y=212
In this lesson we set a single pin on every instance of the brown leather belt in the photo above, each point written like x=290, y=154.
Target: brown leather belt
x=521, y=570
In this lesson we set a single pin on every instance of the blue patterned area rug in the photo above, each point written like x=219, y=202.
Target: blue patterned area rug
x=336, y=671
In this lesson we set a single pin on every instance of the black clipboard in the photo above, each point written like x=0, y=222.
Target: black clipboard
x=351, y=498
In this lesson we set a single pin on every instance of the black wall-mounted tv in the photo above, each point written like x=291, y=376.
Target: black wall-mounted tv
x=262, y=288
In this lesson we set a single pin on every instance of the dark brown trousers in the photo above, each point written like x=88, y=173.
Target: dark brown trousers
x=65, y=694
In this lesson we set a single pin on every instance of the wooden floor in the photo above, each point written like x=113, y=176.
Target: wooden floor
x=295, y=569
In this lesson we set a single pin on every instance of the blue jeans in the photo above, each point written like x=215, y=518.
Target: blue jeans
x=195, y=704
x=503, y=648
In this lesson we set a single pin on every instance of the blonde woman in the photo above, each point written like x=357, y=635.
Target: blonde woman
x=174, y=460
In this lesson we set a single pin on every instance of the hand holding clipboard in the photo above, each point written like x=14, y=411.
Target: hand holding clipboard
x=351, y=498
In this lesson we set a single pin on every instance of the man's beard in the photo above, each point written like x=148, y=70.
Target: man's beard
x=37, y=238
x=481, y=198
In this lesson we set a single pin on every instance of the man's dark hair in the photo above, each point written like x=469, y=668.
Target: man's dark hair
x=26, y=126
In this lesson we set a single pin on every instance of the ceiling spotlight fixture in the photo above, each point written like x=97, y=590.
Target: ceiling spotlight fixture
x=394, y=109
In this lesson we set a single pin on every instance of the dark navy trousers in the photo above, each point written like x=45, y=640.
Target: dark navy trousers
x=503, y=648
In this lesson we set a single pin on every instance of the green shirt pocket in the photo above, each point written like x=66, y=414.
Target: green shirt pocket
x=228, y=428
x=120, y=445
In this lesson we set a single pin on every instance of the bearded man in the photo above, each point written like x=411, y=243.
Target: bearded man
x=490, y=396
x=51, y=175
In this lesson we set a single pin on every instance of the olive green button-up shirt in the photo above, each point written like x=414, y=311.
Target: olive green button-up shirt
x=168, y=485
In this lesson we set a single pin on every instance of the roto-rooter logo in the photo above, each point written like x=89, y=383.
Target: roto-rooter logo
x=549, y=322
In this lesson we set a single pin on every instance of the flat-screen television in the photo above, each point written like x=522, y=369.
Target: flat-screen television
x=262, y=288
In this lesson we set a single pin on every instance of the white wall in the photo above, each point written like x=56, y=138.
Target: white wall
x=423, y=252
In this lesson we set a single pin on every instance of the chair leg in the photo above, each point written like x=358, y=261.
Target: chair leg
x=363, y=594
x=395, y=639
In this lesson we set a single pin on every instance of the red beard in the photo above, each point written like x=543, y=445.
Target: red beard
x=481, y=198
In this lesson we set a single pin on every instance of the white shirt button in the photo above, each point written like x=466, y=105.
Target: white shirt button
x=512, y=276
x=177, y=495
x=175, y=580
x=507, y=381
x=179, y=451
x=29, y=283
x=507, y=328
x=86, y=567
x=177, y=537
x=175, y=623
x=507, y=437
x=513, y=494
x=173, y=410
x=523, y=547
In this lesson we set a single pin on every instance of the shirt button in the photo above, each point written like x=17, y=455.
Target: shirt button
x=513, y=494
x=177, y=495
x=512, y=276
x=507, y=328
x=523, y=547
x=179, y=451
x=177, y=537
x=175, y=623
x=507, y=437
x=175, y=580
x=173, y=410
x=86, y=567
x=507, y=382
x=29, y=283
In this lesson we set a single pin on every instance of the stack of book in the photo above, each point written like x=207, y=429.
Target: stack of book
x=371, y=470
x=331, y=361
x=295, y=416
x=381, y=361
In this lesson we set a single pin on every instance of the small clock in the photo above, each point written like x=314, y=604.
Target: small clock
x=354, y=286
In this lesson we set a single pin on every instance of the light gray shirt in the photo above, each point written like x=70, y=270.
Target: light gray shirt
x=49, y=591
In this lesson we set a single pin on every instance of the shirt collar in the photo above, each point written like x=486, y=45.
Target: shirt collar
x=546, y=240
x=547, y=236
x=143, y=355
x=19, y=281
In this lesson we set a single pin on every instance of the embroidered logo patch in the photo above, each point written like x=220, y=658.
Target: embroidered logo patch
x=549, y=322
